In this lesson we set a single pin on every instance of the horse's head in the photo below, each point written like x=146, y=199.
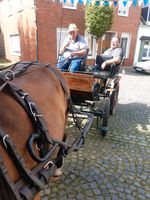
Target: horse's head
x=33, y=112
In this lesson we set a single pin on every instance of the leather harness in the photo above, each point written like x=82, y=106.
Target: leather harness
x=32, y=181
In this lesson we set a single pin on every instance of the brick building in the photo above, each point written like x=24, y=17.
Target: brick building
x=35, y=29
x=126, y=23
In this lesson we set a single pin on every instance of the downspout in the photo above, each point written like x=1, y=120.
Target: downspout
x=36, y=33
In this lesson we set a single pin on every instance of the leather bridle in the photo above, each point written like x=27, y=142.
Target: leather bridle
x=36, y=179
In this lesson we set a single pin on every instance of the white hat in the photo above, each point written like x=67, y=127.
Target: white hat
x=72, y=27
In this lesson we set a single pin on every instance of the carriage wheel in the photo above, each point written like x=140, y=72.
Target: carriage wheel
x=105, y=118
x=114, y=100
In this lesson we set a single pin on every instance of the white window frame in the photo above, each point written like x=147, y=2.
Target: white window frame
x=91, y=41
x=15, y=45
x=128, y=36
x=62, y=33
x=9, y=7
x=69, y=5
x=123, y=10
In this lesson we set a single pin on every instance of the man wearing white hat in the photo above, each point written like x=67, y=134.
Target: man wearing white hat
x=73, y=50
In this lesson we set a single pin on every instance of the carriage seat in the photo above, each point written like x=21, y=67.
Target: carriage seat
x=112, y=72
x=105, y=74
x=101, y=74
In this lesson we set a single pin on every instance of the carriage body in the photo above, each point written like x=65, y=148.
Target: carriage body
x=95, y=92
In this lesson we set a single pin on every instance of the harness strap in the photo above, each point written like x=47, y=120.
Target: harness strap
x=11, y=186
x=3, y=85
x=19, y=71
x=29, y=106
x=19, y=162
x=26, y=193
x=11, y=73
x=22, y=190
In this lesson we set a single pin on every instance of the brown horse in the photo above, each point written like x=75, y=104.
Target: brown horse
x=27, y=156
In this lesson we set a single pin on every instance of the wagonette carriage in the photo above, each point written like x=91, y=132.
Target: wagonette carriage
x=33, y=118
x=95, y=92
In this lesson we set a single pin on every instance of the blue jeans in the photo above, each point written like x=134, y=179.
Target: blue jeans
x=73, y=65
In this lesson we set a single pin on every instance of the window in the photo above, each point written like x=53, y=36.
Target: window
x=62, y=33
x=91, y=41
x=106, y=40
x=19, y=4
x=123, y=8
x=146, y=51
x=15, y=45
x=146, y=14
x=125, y=44
x=70, y=4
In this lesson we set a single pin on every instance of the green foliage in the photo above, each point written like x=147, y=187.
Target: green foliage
x=98, y=19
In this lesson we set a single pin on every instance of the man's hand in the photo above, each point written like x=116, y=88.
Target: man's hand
x=67, y=43
x=75, y=53
x=80, y=53
x=62, y=49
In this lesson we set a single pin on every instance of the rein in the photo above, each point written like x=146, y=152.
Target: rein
x=38, y=177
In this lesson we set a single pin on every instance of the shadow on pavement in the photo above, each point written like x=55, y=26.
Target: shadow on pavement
x=132, y=72
x=114, y=167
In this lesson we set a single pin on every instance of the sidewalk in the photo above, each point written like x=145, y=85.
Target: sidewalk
x=116, y=167
x=4, y=63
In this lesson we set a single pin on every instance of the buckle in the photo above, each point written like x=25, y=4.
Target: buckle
x=4, y=140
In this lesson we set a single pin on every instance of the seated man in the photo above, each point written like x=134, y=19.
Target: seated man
x=73, y=51
x=113, y=55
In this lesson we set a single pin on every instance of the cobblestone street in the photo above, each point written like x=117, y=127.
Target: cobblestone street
x=116, y=167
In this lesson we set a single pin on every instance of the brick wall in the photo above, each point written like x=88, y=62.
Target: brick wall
x=126, y=24
x=22, y=22
x=130, y=25
x=50, y=16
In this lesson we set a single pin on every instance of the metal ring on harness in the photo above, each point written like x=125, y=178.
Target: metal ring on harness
x=9, y=75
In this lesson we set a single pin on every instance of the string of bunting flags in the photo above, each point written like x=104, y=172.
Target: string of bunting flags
x=109, y=2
